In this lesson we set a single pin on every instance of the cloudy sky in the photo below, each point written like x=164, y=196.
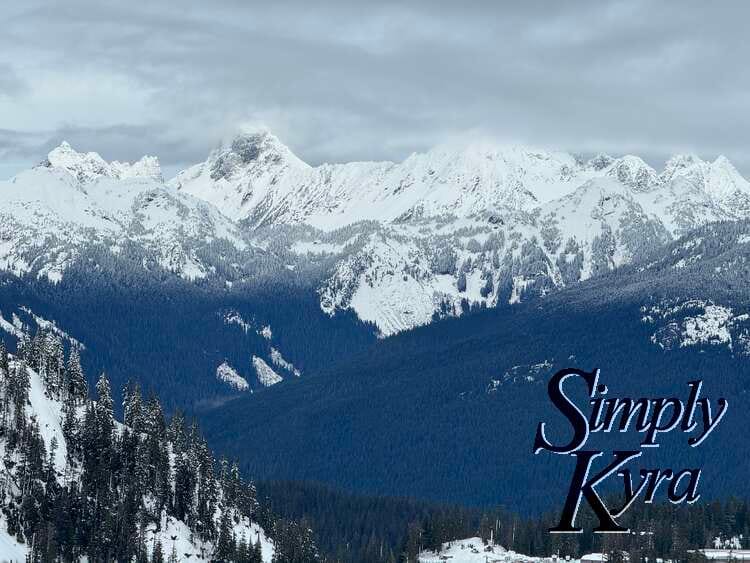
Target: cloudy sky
x=347, y=80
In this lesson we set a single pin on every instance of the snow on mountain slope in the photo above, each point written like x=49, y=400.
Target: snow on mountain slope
x=399, y=275
x=259, y=180
x=397, y=243
x=229, y=375
x=278, y=360
x=50, y=326
x=13, y=328
x=175, y=536
x=694, y=322
x=10, y=549
x=265, y=373
x=49, y=415
x=73, y=201
x=86, y=167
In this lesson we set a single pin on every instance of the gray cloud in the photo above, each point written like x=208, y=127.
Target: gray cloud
x=11, y=84
x=361, y=80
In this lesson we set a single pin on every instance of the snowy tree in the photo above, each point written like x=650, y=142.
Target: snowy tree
x=132, y=406
x=76, y=381
x=104, y=405
x=225, y=545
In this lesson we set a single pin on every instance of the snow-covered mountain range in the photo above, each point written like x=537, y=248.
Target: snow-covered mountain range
x=396, y=242
x=73, y=202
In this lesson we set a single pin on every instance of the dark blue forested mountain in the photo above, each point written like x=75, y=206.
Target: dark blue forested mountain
x=448, y=412
x=171, y=335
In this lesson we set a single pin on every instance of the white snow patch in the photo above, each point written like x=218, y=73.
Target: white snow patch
x=229, y=375
x=234, y=318
x=176, y=535
x=10, y=328
x=10, y=550
x=473, y=550
x=712, y=327
x=266, y=375
x=266, y=332
x=279, y=361
x=51, y=326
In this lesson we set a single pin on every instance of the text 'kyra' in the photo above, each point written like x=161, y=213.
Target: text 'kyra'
x=652, y=417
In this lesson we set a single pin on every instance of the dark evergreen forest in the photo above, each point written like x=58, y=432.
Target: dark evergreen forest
x=353, y=528
x=170, y=335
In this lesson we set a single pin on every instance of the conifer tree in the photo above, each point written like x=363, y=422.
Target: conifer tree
x=76, y=381
x=3, y=360
x=225, y=547
x=132, y=407
x=104, y=406
x=256, y=554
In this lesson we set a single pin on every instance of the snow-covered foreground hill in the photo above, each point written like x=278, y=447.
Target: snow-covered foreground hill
x=398, y=243
x=71, y=488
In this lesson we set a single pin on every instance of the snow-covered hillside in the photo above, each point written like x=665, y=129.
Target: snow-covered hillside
x=52, y=445
x=229, y=375
x=474, y=550
x=398, y=243
x=695, y=322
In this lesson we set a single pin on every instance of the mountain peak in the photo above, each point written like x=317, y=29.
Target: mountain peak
x=632, y=171
x=87, y=167
x=600, y=162
x=251, y=146
x=146, y=167
x=64, y=148
x=679, y=163
x=719, y=178
x=723, y=179
x=723, y=162
x=684, y=160
x=250, y=150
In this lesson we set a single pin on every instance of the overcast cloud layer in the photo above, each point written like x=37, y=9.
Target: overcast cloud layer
x=373, y=80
